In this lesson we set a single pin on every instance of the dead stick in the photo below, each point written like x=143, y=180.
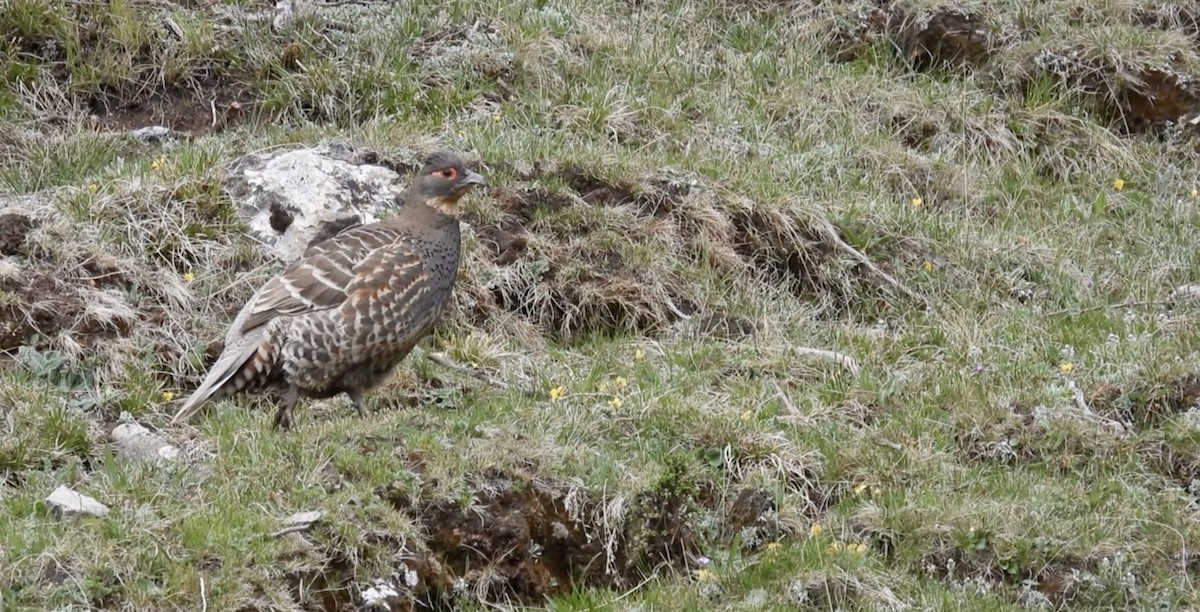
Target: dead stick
x=787, y=403
x=832, y=236
x=444, y=360
x=290, y=529
x=841, y=359
x=1074, y=312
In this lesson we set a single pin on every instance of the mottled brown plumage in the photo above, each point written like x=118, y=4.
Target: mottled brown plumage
x=340, y=318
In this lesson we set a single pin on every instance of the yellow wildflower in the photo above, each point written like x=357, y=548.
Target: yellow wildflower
x=772, y=547
x=705, y=575
x=859, y=489
x=92, y=188
x=616, y=403
x=638, y=355
x=167, y=396
x=856, y=548
x=1066, y=367
x=557, y=392
x=835, y=547
x=157, y=164
x=747, y=415
x=815, y=530
x=620, y=382
x=188, y=277
x=603, y=386
x=917, y=202
x=1067, y=461
x=928, y=266
x=1118, y=183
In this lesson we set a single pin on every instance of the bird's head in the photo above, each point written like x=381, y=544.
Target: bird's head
x=441, y=182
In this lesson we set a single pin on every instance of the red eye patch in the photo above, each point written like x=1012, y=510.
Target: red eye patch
x=448, y=173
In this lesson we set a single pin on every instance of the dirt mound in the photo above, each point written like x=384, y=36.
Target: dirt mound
x=1183, y=16
x=78, y=299
x=575, y=252
x=39, y=304
x=1134, y=97
x=1147, y=405
x=13, y=229
x=1180, y=463
x=522, y=538
x=944, y=37
x=974, y=558
x=126, y=67
x=1134, y=92
x=194, y=110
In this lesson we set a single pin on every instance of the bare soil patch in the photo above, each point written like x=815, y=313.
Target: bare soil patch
x=1133, y=99
x=203, y=108
x=13, y=229
x=1132, y=96
x=123, y=68
x=942, y=38
x=1148, y=404
x=39, y=303
x=525, y=537
x=1058, y=578
x=1178, y=463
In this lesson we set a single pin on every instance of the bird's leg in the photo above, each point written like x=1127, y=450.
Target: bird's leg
x=356, y=398
x=283, y=416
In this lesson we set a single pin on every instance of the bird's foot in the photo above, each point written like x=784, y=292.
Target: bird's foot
x=283, y=416
x=356, y=399
x=283, y=419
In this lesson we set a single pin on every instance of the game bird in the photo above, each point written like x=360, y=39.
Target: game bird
x=340, y=318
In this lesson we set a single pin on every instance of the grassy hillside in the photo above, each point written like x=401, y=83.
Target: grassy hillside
x=985, y=213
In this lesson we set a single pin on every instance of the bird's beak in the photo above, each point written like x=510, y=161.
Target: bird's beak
x=471, y=179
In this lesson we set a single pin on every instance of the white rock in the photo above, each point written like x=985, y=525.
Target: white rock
x=132, y=441
x=68, y=502
x=757, y=598
x=410, y=577
x=152, y=133
x=297, y=522
x=379, y=594
x=307, y=190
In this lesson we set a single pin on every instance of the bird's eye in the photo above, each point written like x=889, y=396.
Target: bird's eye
x=449, y=173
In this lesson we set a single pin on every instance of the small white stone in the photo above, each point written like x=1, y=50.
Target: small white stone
x=132, y=441
x=68, y=502
x=152, y=133
x=303, y=518
x=378, y=594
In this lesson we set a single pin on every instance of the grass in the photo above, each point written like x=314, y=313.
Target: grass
x=1028, y=440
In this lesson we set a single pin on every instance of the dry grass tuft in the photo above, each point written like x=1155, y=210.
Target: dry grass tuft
x=557, y=249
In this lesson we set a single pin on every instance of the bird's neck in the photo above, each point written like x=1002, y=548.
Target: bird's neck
x=430, y=215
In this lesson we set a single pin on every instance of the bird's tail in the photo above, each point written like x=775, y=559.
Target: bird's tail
x=236, y=369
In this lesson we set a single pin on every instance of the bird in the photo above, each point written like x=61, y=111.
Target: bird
x=341, y=317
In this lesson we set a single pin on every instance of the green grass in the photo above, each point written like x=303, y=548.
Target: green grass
x=1029, y=439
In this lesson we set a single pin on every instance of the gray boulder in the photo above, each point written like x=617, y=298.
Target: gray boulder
x=290, y=199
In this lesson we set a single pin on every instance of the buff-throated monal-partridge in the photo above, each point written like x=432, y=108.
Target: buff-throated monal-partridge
x=341, y=317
